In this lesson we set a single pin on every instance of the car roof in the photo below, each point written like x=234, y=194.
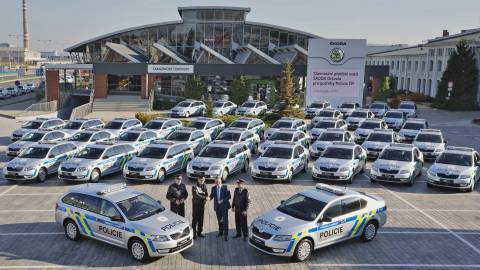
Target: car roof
x=416, y=120
x=375, y=120
x=47, y=144
x=286, y=130
x=235, y=130
x=327, y=193
x=328, y=119
x=383, y=130
x=459, y=150
x=335, y=130
x=431, y=131
x=401, y=146
x=164, y=144
x=222, y=143
x=244, y=119
x=186, y=129
x=394, y=111
x=115, y=192
x=137, y=130
x=288, y=119
x=203, y=119
x=122, y=119
x=362, y=110
x=283, y=144
x=347, y=145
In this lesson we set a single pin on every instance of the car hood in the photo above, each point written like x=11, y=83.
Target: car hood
x=164, y=223
x=143, y=162
x=322, y=144
x=363, y=131
x=396, y=120
x=20, y=144
x=22, y=131
x=427, y=145
x=392, y=164
x=369, y=144
x=408, y=132
x=23, y=162
x=317, y=131
x=333, y=162
x=206, y=161
x=271, y=162
x=277, y=223
x=451, y=169
x=355, y=119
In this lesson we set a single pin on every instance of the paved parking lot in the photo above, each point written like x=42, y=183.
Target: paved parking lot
x=426, y=228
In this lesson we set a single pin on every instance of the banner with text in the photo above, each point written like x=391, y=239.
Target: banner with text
x=170, y=69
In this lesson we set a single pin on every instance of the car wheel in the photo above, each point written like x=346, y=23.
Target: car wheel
x=187, y=115
x=290, y=176
x=410, y=181
x=262, y=135
x=246, y=166
x=350, y=179
x=161, y=176
x=42, y=175
x=255, y=149
x=138, y=250
x=305, y=166
x=472, y=187
x=303, y=250
x=224, y=174
x=372, y=180
x=95, y=176
x=71, y=230
x=370, y=231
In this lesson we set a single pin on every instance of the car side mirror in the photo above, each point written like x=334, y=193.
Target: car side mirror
x=117, y=218
x=51, y=156
x=282, y=201
x=105, y=157
x=326, y=219
x=445, y=141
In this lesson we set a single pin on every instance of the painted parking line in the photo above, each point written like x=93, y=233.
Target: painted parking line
x=33, y=194
x=9, y=189
x=40, y=267
x=26, y=211
x=401, y=266
x=436, y=210
x=31, y=234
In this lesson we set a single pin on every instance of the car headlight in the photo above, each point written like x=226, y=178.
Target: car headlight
x=149, y=168
x=159, y=238
x=404, y=171
x=215, y=168
x=189, y=166
x=374, y=168
x=438, y=150
x=281, y=168
x=26, y=169
x=344, y=169
x=282, y=238
x=255, y=166
x=465, y=176
x=82, y=169
x=431, y=173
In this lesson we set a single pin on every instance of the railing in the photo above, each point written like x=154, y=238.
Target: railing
x=84, y=109
x=39, y=109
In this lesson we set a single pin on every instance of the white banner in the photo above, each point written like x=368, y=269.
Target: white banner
x=170, y=69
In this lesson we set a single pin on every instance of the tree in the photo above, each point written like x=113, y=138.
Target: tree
x=462, y=70
x=239, y=91
x=209, y=105
x=193, y=87
x=286, y=92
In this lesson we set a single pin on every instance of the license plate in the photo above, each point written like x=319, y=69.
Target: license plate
x=257, y=240
x=328, y=173
x=265, y=173
x=182, y=242
x=200, y=173
x=135, y=174
x=387, y=176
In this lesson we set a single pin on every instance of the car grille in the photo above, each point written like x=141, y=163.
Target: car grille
x=325, y=169
x=268, y=169
x=389, y=171
x=427, y=150
x=13, y=149
x=135, y=169
x=180, y=235
x=65, y=169
x=375, y=149
x=447, y=176
x=262, y=235
x=182, y=246
x=198, y=168
x=320, y=149
x=12, y=169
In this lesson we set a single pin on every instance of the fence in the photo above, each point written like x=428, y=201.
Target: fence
x=84, y=109
x=41, y=108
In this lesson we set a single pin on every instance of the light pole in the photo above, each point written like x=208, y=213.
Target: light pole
x=17, y=36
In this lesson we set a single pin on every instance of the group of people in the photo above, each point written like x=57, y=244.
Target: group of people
x=177, y=194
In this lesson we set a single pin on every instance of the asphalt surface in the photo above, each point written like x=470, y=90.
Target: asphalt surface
x=426, y=229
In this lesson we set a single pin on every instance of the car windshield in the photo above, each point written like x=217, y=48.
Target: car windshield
x=326, y=114
x=129, y=136
x=359, y=114
x=90, y=153
x=331, y=137
x=302, y=207
x=218, y=104
x=73, y=125
x=114, y=125
x=183, y=104
x=339, y=153
x=229, y=136
x=407, y=106
x=396, y=154
x=377, y=106
x=81, y=137
x=140, y=207
x=32, y=125
x=379, y=137
x=316, y=105
x=431, y=138
x=239, y=124
x=178, y=136
x=214, y=152
x=455, y=159
x=197, y=124
x=347, y=106
x=248, y=105
x=34, y=152
x=370, y=125
x=153, y=152
x=154, y=125
x=282, y=124
x=324, y=124
x=281, y=136
x=393, y=115
x=278, y=152
x=32, y=137
x=413, y=126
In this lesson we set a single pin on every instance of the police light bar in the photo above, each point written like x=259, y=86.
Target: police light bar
x=223, y=142
x=163, y=142
x=383, y=129
x=138, y=129
x=112, y=188
x=47, y=142
x=344, y=143
x=458, y=148
x=105, y=143
x=330, y=189
x=185, y=129
x=335, y=129
x=234, y=129
x=287, y=129
x=401, y=145
x=284, y=142
x=430, y=130
x=92, y=129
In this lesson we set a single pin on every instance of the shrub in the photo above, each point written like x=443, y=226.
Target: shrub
x=163, y=104
x=145, y=117
x=209, y=105
x=293, y=112
x=185, y=122
x=228, y=119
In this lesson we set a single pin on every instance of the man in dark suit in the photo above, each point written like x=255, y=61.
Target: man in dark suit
x=199, y=198
x=177, y=194
x=240, y=204
x=221, y=203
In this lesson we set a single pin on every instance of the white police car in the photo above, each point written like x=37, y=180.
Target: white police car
x=252, y=107
x=357, y=117
x=219, y=159
x=340, y=161
x=329, y=136
x=347, y=108
x=224, y=107
x=378, y=140
x=430, y=142
x=327, y=114
x=379, y=108
x=411, y=128
x=395, y=119
x=314, y=108
x=287, y=122
x=457, y=168
x=91, y=135
x=316, y=218
x=280, y=161
x=139, y=138
x=33, y=137
x=95, y=161
x=286, y=135
x=250, y=138
x=78, y=124
x=366, y=127
x=188, y=108
x=38, y=123
x=409, y=107
x=253, y=124
x=323, y=124
x=196, y=139
x=38, y=161
x=210, y=126
x=158, y=160
x=398, y=163
x=122, y=217
x=163, y=126
x=118, y=125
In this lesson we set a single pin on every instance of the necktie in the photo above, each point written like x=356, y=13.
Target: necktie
x=218, y=193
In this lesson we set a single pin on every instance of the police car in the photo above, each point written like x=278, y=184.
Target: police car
x=210, y=126
x=158, y=160
x=408, y=107
x=286, y=135
x=378, y=140
x=395, y=119
x=253, y=107
x=38, y=161
x=188, y=108
x=253, y=124
x=411, y=128
x=196, y=139
x=399, y=163
x=357, y=117
x=340, y=161
x=91, y=135
x=314, y=108
x=379, y=108
x=122, y=217
x=327, y=114
x=73, y=126
x=457, y=168
x=163, y=126
x=39, y=123
x=281, y=161
x=323, y=124
x=139, y=138
x=223, y=107
x=347, y=108
x=329, y=136
x=219, y=159
x=95, y=161
x=32, y=137
x=430, y=142
x=366, y=127
x=251, y=139
x=287, y=122
x=118, y=125
x=316, y=218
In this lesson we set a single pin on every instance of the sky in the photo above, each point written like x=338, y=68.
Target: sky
x=57, y=24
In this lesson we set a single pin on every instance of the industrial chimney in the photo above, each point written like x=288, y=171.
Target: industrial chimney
x=25, y=25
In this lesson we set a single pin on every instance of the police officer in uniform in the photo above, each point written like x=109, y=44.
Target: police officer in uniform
x=221, y=203
x=240, y=204
x=199, y=198
x=177, y=194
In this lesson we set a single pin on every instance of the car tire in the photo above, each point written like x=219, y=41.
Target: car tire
x=290, y=176
x=138, y=250
x=95, y=176
x=472, y=187
x=246, y=166
x=410, y=181
x=369, y=231
x=42, y=175
x=303, y=250
x=224, y=174
x=71, y=230
x=255, y=149
x=305, y=166
x=372, y=180
x=350, y=179
x=161, y=176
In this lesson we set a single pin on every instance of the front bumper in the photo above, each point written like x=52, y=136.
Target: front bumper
x=20, y=175
x=318, y=174
x=277, y=248
x=431, y=155
x=73, y=176
x=13, y=153
x=140, y=175
x=172, y=247
x=270, y=175
x=209, y=175
x=449, y=183
x=388, y=177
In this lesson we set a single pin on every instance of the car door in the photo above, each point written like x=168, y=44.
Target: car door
x=82, y=209
x=110, y=224
x=175, y=156
x=418, y=162
x=247, y=138
x=198, y=141
x=52, y=161
x=110, y=160
x=358, y=159
x=330, y=224
x=297, y=161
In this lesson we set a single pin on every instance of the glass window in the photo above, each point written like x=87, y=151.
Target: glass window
x=108, y=209
x=237, y=33
x=247, y=33
x=274, y=36
x=283, y=38
x=302, y=207
x=264, y=36
x=255, y=40
x=218, y=15
x=227, y=35
x=350, y=205
x=292, y=39
x=334, y=210
x=200, y=32
x=140, y=207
